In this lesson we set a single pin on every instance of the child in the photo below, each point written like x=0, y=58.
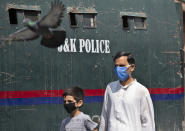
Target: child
x=77, y=121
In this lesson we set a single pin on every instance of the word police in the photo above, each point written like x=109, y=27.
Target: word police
x=88, y=46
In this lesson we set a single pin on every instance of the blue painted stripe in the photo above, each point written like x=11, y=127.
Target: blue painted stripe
x=93, y=99
x=157, y=97
x=45, y=100
x=31, y=101
x=88, y=99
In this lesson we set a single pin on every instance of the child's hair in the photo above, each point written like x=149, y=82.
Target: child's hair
x=76, y=92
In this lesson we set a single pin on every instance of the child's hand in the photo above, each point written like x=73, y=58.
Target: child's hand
x=95, y=129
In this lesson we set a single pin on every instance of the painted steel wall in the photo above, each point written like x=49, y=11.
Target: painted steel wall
x=32, y=77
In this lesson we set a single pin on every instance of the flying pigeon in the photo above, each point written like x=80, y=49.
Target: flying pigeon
x=45, y=27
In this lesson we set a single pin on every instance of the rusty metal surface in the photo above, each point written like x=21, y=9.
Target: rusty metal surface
x=23, y=7
x=81, y=10
x=133, y=14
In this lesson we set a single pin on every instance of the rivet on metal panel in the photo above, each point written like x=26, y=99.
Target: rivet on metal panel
x=95, y=66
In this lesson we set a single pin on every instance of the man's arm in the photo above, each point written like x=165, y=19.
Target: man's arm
x=147, y=114
x=103, y=122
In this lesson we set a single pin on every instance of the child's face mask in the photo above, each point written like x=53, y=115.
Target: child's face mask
x=70, y=107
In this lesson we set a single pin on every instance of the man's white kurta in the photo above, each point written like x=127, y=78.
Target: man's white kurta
x=127, y=108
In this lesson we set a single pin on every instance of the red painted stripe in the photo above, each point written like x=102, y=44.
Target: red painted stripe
x=94, y=92
x=177, y=90
x=30, y=94
x=45, y=93
x=88, y=92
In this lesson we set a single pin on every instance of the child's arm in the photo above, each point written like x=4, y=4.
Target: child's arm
x=62, y=127
x=90, y=125
x=95, y=129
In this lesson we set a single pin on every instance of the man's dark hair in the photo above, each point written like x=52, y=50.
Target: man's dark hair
x=130, y=57
x=76, y=92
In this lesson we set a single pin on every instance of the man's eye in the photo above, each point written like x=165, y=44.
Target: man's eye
x=119, y=65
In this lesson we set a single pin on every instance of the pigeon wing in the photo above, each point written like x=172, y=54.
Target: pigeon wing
x=21, y=35
x=54, y=17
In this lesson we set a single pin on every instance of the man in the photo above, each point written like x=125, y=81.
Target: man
x=127, y=104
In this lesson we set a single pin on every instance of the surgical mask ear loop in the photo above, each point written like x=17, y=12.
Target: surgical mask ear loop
x=130, y=65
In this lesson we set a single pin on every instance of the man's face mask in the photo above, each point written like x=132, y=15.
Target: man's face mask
x=121, y=73
x=70, y=107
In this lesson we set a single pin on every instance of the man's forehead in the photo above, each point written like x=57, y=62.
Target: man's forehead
x=122, y=59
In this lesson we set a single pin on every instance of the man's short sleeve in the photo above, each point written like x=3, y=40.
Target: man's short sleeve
x=89, y=124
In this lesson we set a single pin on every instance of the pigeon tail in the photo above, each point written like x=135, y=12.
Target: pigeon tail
x=55, y=41
x=5, y=39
